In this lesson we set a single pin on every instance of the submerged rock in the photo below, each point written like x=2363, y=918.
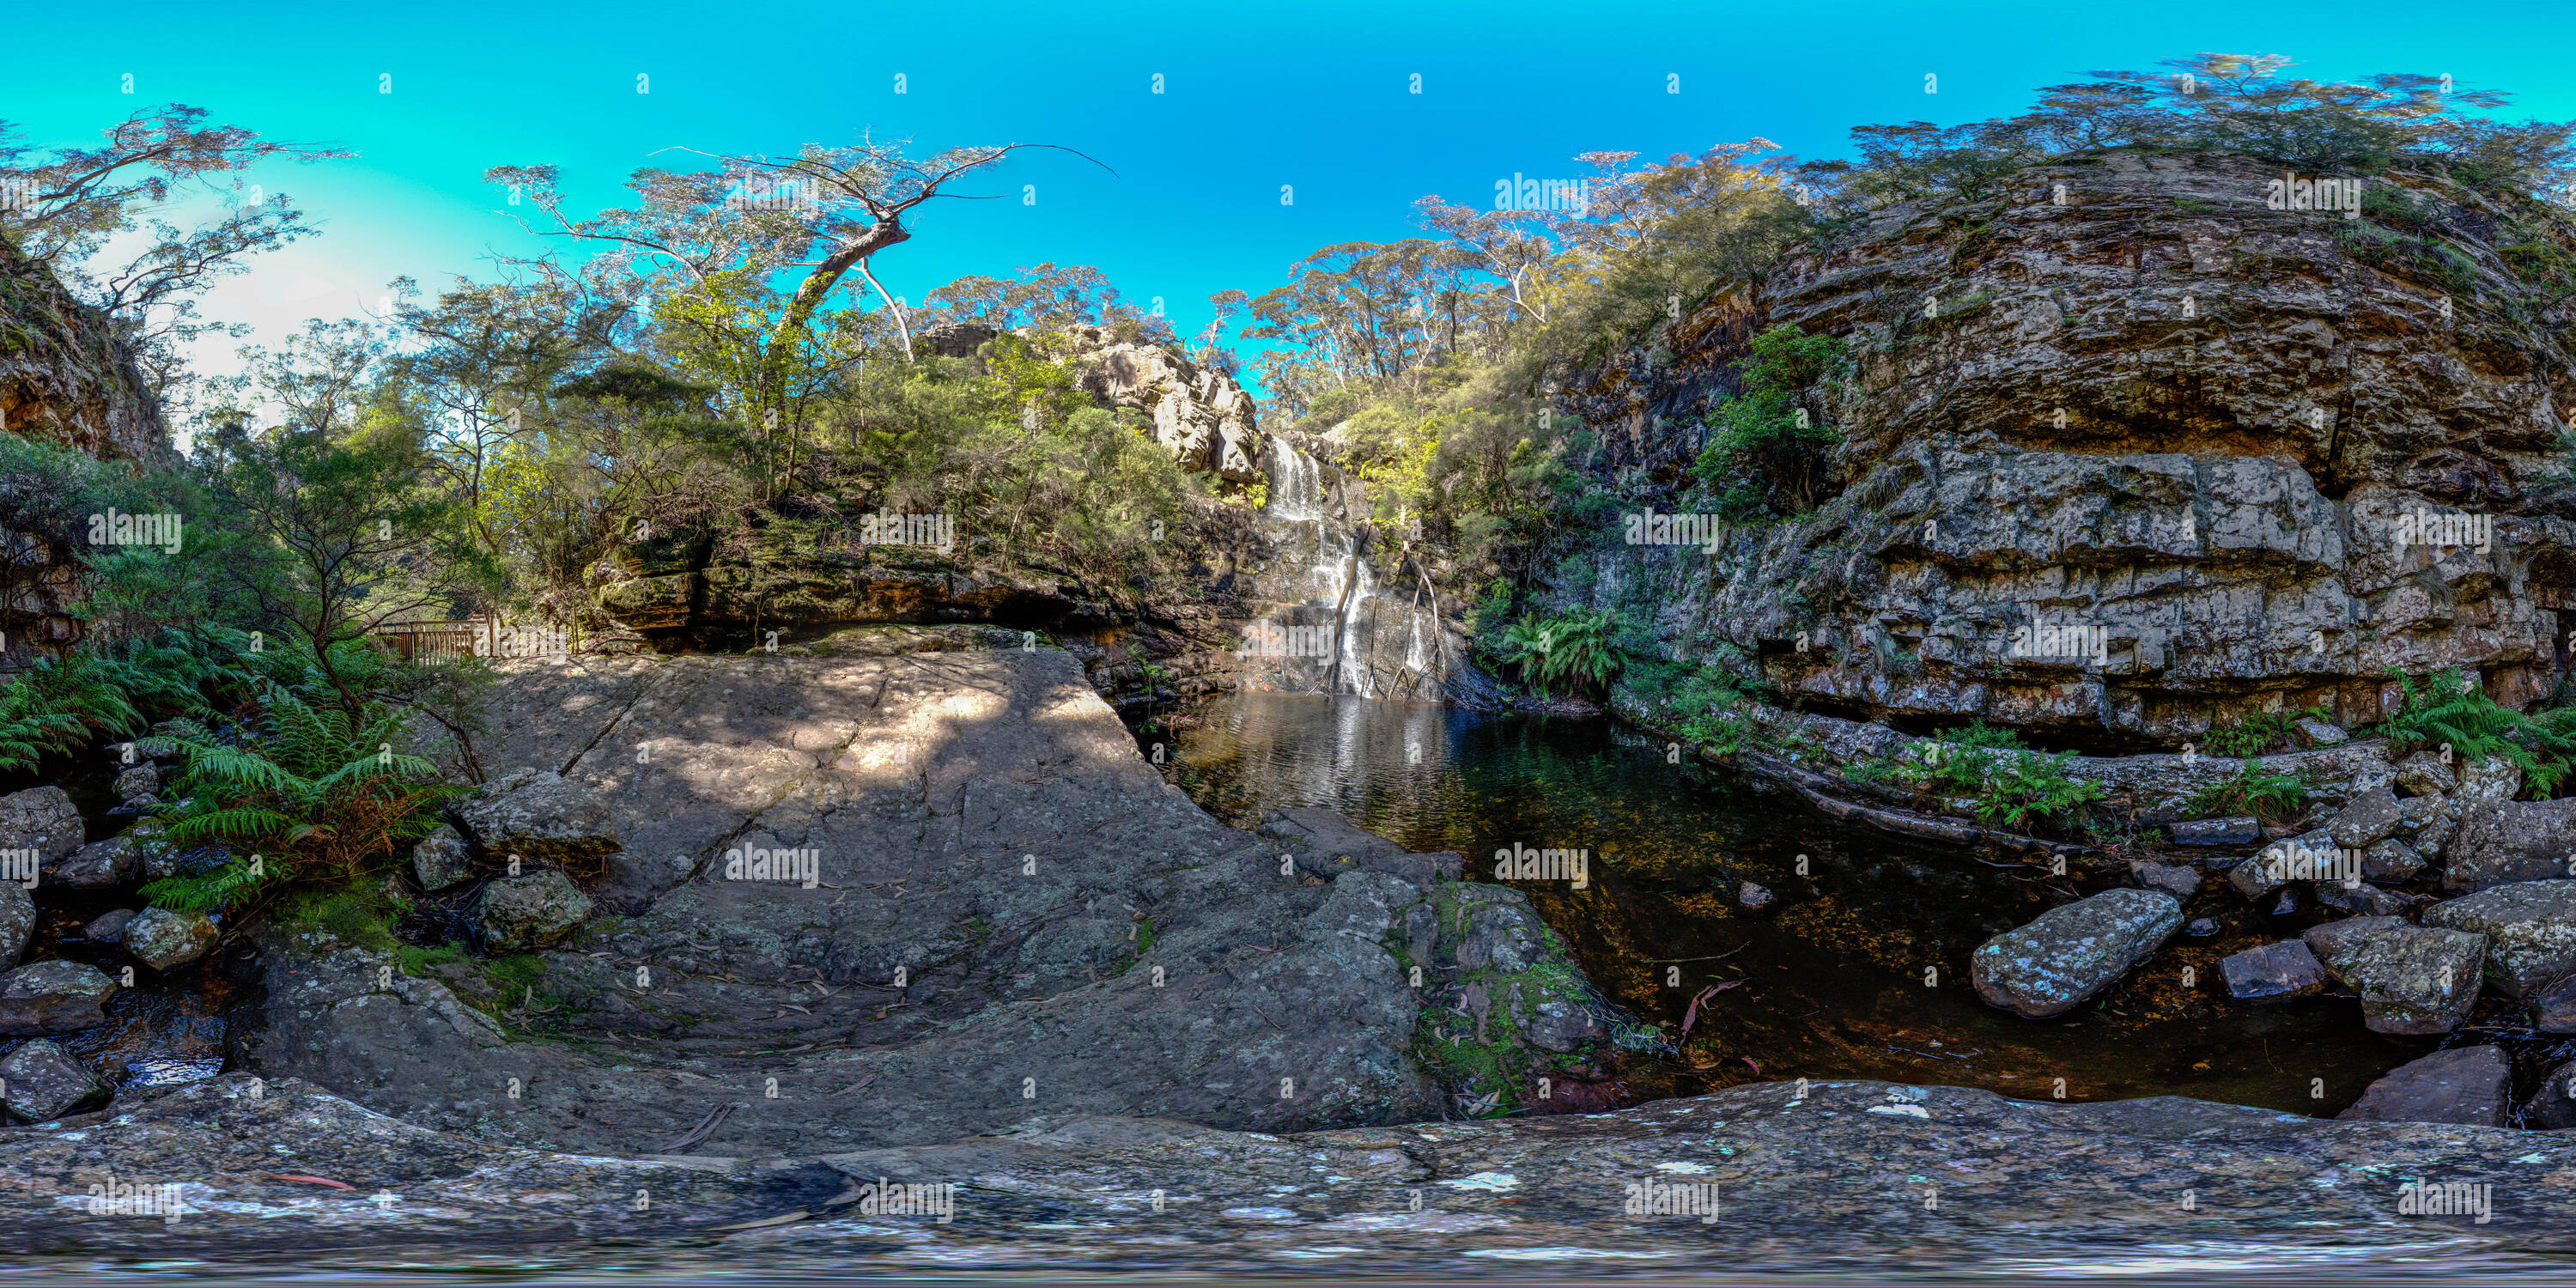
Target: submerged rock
x=162, y=939
x=35, y=979
x=2284, y=969
x=43, y=1081
x=2068, y=954
x=534, y=911
x=2466, y=1085
x=2530, y=927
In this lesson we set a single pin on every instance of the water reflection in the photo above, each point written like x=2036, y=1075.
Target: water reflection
x=1858, y=966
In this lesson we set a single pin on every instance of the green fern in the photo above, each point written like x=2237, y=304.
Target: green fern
x=2451, y=710
x=299, y=792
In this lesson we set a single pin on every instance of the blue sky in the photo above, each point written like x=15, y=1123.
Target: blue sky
x=1256, y=96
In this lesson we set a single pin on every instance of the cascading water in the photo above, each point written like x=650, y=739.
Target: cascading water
x=1337, y=593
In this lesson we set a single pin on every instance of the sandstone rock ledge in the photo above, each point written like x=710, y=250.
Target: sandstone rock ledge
x=1856, y=1175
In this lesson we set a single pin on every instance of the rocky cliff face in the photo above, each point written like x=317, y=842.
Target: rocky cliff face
x=2127, y=451
x=66, y=376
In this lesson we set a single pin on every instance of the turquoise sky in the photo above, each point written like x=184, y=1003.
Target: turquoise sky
x=1256, y=96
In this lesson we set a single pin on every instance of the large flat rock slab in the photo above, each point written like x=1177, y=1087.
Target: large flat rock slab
x=1830, y=1178
x=879, y=898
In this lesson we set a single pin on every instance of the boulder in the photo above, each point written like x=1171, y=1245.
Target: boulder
x=2201, y=927
x=2530, y=927
x=2372, y=817
x=2173, y=878
x=1325, y=844
x=2553, y=1107
x=2331, y=938
x=441, y=859
x=541, y=816
x=2391, y=861
x=2554, y=1011
x=2469, y=1086
x=2425, y=774
x=139, y=782
x=2433, y=823
x=17, y=922
x=2216, y=831
x=537, y=910
x=41, y=819
x=2501, y=841
x=44, y=1082
x=2412, y=980
x=2360, y=898
x=1753, y=896
x=35, y=979
x=48, y=1014
x=2284, y=969
x=162, y=939
x=2318, y=733
x=2068, y=954
x=99, y=865
x=2492, y=779
x=108, y=927
x=2256, y=878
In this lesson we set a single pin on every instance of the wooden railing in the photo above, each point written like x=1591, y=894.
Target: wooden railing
x=481, y=637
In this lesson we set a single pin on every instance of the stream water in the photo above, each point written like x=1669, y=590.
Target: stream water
x=1859, y=968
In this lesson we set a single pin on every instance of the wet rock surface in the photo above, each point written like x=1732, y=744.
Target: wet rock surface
x=162, y=939
x=2412, y=980
x=2284, y=969
x=2471, y=1085
x=36, y=979
x=1074, y=1192
x=40, y=1080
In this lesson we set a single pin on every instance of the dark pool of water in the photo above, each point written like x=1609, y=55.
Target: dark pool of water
x=1859, y=968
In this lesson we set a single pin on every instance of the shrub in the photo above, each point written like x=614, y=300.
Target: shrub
x=2270, y=797
x=2258, y=734
x=2452, y=710
x=298, y=794
x=1570, y=652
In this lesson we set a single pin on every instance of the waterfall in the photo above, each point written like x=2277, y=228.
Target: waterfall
x=1296, y=481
